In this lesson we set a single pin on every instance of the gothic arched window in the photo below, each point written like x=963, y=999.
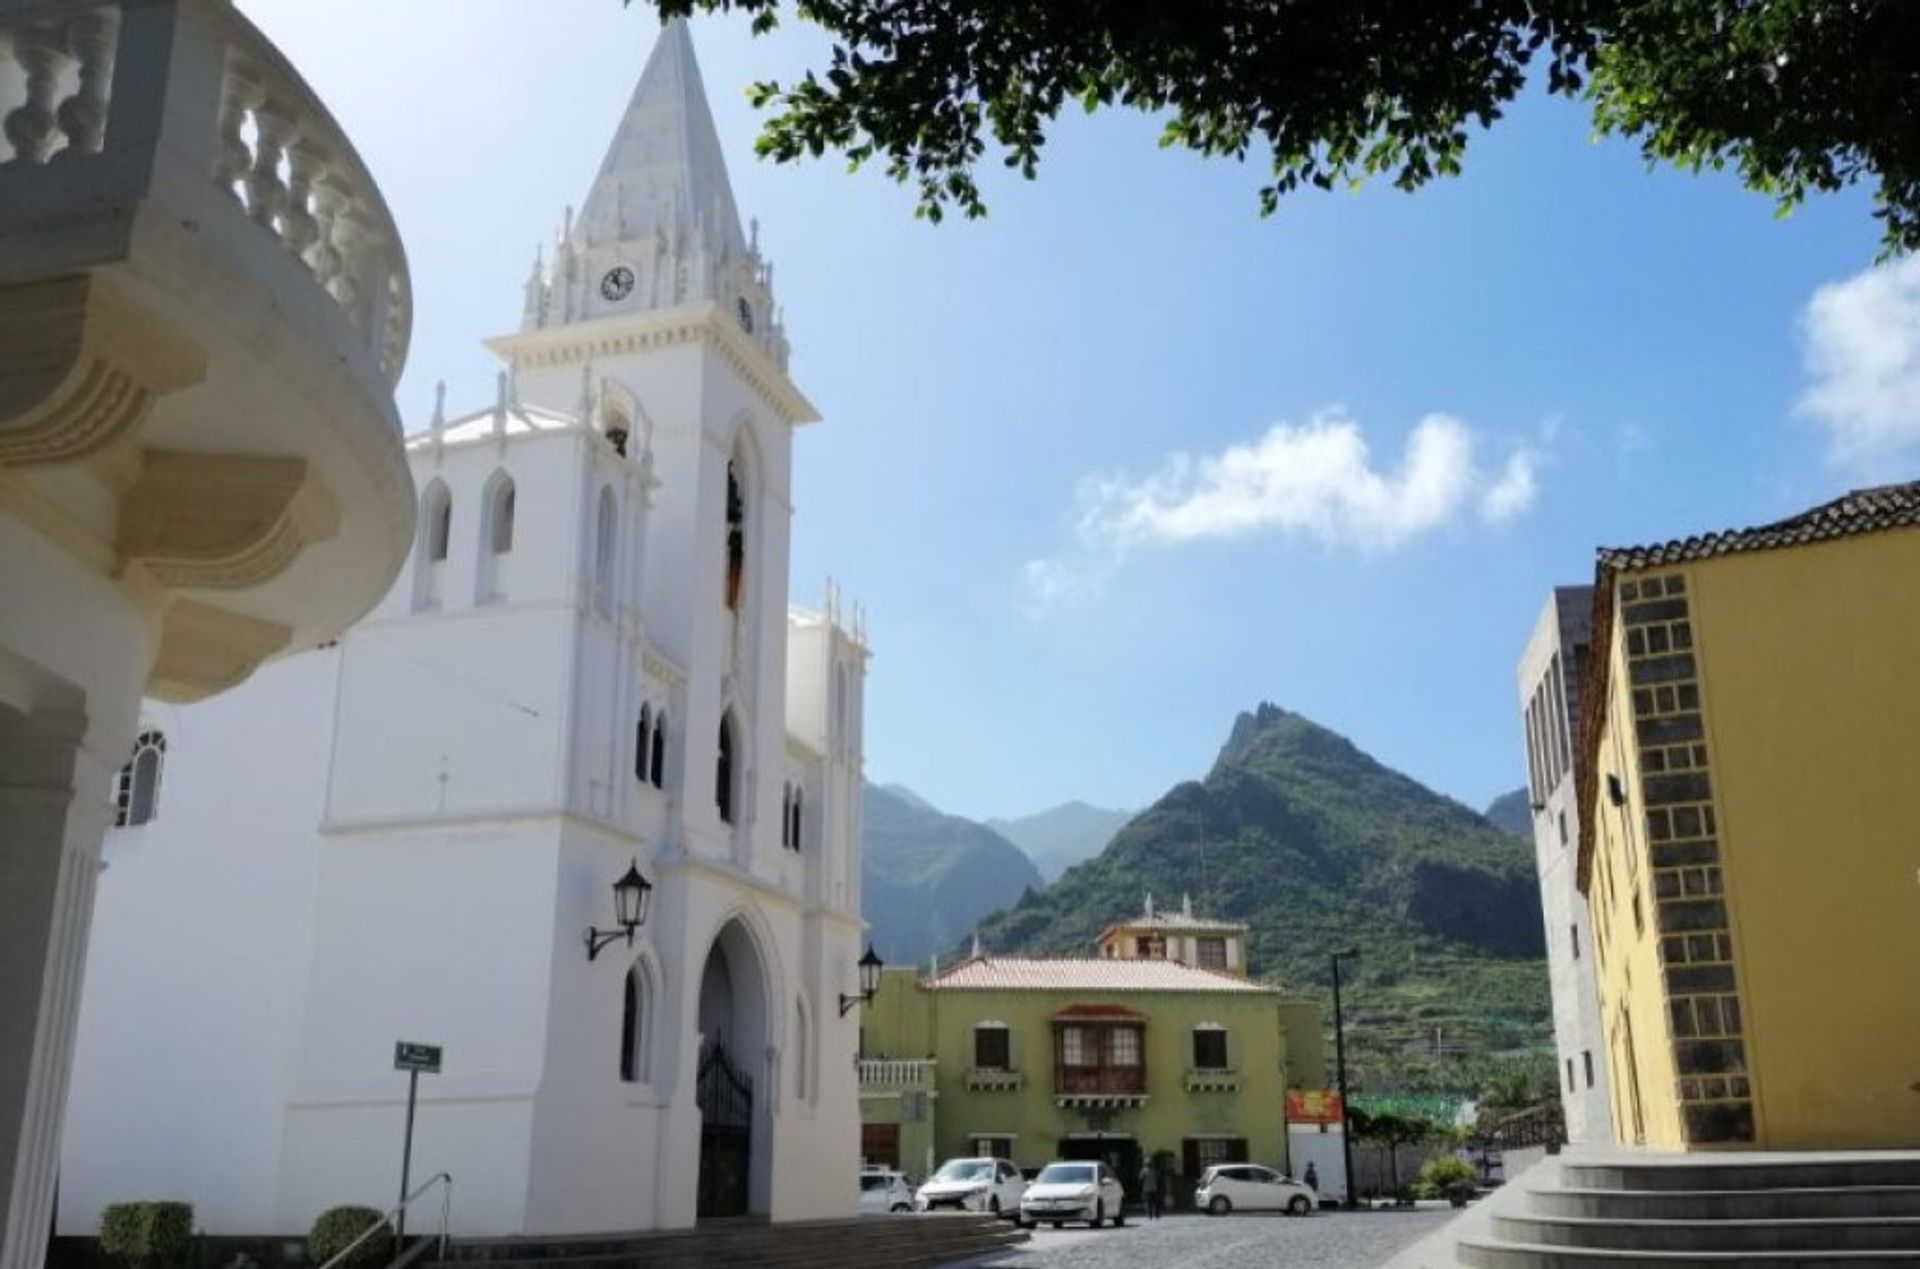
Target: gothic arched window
x=635, y=1008
x=801, y=1040
x=736, y=537
x=496, y=516
x=137, y=793
x=643, y=743
x=430, y=552
x=786, y=814
x=724, y=773
x=603, y=542
x=660, y=751
x=793, y=832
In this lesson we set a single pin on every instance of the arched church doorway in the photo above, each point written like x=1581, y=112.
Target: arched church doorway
x=735, y=1149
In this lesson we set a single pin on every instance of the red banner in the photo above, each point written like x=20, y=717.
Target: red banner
x=1313, y=1106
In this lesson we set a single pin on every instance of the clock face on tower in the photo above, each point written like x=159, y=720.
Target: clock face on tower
x=617, y=283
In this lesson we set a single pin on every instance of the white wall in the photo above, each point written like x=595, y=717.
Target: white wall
x=201, y=929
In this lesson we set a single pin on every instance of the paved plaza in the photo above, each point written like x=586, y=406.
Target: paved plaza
x=1333, y=1240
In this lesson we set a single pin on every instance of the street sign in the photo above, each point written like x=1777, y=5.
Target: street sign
x=416, y=1057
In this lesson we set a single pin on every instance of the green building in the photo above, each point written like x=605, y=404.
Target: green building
x=1115, y=1056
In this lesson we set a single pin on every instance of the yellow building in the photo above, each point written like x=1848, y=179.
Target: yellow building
x=1751, y=830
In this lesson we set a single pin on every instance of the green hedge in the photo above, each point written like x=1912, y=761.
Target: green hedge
x=338, y=1226
x=156, y=1235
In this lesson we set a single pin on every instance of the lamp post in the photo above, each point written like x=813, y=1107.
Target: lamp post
x=1340, y=1073
x=870, y=966
x=631, y=895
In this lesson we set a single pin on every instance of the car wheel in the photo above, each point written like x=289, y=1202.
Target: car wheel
x=1220, y=1206
x=993, y=1204
x=1299, y=1205
x=1099, y=1215
x=1119, y=1217
x=901, y=1207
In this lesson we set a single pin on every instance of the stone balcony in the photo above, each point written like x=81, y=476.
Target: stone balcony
x=888, y=1075
x=204, y=306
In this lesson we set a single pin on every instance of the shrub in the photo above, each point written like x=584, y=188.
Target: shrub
x=158, y=1235
x=334, y=1228
x=1449, y=1178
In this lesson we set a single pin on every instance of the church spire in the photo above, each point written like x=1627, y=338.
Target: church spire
x=663, y=174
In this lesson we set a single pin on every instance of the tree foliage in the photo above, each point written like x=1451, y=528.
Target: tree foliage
x=1797, y=96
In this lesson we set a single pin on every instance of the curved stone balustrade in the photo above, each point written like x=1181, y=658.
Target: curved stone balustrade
x=204, y=307
x=272, y=144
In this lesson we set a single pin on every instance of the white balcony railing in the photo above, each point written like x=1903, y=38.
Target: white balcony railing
x=896, y=1072
x=106, y=105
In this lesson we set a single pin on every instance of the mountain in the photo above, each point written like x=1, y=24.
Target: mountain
x=1319, y=847
x=1512, y=812
x=1057, y=839
x=927, y=878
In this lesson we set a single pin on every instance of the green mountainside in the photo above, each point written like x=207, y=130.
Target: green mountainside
x=927, y=877
x=1512, y=812
x=1318, y=847
x=1058, y=838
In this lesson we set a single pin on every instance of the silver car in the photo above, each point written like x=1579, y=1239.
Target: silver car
x=1074, y=1191
x=1248, y=1187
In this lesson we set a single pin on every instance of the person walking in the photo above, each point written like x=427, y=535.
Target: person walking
x=1312, y=1179
x=1150, y=1188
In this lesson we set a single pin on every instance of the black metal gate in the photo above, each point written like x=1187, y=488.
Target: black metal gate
x=725, y=1096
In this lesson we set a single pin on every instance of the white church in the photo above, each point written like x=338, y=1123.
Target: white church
x=588, y=665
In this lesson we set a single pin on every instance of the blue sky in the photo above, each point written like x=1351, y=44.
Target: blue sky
x=1125, y=458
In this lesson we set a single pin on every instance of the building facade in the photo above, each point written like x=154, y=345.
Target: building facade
x=588, y=663
x=1111, y=1057
x=204, y=305
x=1549, y=674
x=1749, y=726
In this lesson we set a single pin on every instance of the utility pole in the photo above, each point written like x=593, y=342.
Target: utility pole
x=1340, y=1075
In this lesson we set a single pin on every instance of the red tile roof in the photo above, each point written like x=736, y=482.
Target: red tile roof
x=1086, y=973
x=1860, y=511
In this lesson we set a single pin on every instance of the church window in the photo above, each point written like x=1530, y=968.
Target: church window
x=736, y=538
x=137, y=792
x=633, y=1027
x=643, y=743
x=500, y=517
x=799, y=797
x=786, y=814
x=724, y=774
x=439, y=523
x=603, y=555
x=800, y=1043
x=660, y=751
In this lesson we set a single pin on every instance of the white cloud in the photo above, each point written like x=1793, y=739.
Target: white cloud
x=1316, y=481
x=1863, y=359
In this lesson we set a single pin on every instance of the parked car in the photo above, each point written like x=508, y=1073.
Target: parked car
x=1248, y=1187
x=884, y=1190
x=1074, y=1191
x=973, y=1185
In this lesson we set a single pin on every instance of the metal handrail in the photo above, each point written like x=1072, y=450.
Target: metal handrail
x=392, y=1218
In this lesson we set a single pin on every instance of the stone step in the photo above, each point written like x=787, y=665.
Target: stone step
x=1695, y=1172
x=1710, y=1205
x=1866, y=1233
x=1481, y=1254
x=880, y=1242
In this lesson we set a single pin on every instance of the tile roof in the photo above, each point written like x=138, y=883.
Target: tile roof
x=1861, y=511
x=1086, y=973
x=1172, y=921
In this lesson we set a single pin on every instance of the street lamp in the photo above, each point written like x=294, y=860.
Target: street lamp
x=1340, y=1071
x=870, y=966
x=631, y=895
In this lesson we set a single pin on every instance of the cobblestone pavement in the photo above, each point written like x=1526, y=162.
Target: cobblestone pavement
x=1325, y=1240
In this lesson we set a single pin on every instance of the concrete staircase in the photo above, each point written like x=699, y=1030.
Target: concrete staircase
x=1597, y=1210
x=874, y=1242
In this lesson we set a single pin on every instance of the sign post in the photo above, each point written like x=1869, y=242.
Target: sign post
x=413, y=1059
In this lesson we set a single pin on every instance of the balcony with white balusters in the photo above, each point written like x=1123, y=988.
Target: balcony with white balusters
x=204, y=305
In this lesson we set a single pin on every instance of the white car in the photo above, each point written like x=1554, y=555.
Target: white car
x=972, y=1185
x=1248, y=1187
x=1074, y=1191
x=884, y=1190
